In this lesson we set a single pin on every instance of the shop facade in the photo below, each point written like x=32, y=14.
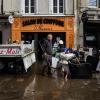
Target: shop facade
x=37, y=28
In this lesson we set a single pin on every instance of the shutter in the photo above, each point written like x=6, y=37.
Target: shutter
x=22, y=6
x=36, y=7
x=50, y=6
x=69, y=7
x=66, y=7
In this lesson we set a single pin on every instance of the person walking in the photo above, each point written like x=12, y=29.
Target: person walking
x=47, y=54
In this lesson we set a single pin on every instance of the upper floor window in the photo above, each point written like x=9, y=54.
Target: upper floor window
x=30, y=6
x=93, y=3
x=58, y=6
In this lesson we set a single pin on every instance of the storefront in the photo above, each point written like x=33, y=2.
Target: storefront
x=92, y=34
x=39, y=27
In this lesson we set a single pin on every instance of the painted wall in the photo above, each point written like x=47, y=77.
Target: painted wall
x=84, y=3
x=11, y=6
x=48, y=24
x=69, y=7
x=0, y=6
x=44, y=7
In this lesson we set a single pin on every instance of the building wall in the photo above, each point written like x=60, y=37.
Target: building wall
x=6, y=34
x=44, y=7
x=69, y=7
x=79, y=6
x=11, y=6
x=84, y=3
x=92, y=11
x=5, y=29
x=45, y=24
x=0, y=6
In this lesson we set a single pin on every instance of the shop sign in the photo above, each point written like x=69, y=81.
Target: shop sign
x=40, y=27
x=43, y=21
x=10, y=51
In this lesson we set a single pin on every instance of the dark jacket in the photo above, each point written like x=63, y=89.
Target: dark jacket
x=47, y=46
x=60, y=48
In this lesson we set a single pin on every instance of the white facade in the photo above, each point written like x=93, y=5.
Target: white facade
x=11, y=6
x=42, y=7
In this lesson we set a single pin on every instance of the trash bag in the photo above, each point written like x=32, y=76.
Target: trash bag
x=1, y=65
x=82, y=71
x=93, y=61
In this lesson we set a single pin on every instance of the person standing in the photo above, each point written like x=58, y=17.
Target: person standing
x=47, y=54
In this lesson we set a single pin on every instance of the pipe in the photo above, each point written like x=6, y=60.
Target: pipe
x=2, y=7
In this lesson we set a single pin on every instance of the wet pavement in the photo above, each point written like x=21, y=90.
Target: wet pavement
x=33, y=86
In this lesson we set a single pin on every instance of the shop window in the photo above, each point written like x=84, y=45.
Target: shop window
x=30, y=6
x=58, y=6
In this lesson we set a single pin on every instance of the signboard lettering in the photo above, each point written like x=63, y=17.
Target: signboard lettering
x=9, y=51
x=43, y=21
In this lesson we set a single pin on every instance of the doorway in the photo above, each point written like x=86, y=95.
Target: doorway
x=39, y=38
x=92, y=34
x=0, y=37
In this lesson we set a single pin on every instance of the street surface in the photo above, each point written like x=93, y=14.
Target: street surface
x=34, y=86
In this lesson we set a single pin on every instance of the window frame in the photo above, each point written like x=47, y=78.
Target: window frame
x=29, y=9
x=58, y=7
x=94, y=6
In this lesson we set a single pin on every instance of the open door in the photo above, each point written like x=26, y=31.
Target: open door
x=0, y=37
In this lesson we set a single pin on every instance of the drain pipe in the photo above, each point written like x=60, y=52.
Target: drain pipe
x=76, y=25
x=2, y=7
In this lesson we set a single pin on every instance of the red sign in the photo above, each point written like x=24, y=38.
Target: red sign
x=10, y=51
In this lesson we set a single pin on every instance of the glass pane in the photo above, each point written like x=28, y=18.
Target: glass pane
x=54, y=2
x=32, y=2
x=54, y=9
x=26, y=9
x=92, y=2
x=60, y=9
x=32, y=10
x=61, y=2
x=26, y=2
x=99, y=3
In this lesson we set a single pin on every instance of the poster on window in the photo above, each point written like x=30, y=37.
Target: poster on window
x=92, y=3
